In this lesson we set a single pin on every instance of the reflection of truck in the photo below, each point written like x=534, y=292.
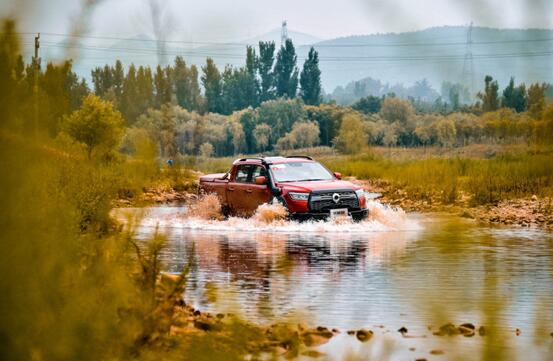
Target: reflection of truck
x=305, y=187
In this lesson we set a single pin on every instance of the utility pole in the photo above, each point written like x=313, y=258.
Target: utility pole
x=283, y=33
x=36, y=64
x=468, y=63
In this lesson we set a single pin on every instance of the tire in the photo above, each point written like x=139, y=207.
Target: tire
x=225, y=210
x=359, y=217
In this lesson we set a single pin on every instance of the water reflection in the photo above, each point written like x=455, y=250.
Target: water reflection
x=450, y=270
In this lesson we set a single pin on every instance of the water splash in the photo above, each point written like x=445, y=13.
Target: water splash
x=208, y=207
x=205, y=217
x=269, y=213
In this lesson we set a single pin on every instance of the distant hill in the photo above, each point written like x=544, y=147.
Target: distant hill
x=435, y=54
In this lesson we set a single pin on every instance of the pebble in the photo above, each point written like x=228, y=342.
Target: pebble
x=448, y=329
x=482, y=331
x=364, y=335
x=312, y=353
x=402, y=330
x=467, y=329
x=436, y=352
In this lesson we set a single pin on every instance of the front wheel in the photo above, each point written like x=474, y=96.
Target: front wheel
x=225, y=210
x=359, y=217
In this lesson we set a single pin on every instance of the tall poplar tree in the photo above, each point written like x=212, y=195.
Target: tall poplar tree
x=265, y=68
x=286, y=71
x=211, y=80
x=310, y=79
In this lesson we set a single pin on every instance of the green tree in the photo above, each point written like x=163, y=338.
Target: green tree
x=61, y=92
x=211, y=80
x=129, y=107
x=286, y=71
x=310, y=79
x=351, y=138
x=489, y=98
x=145, y=89
x=514, y=97
x=102, y=78
x=239, y=91
x=302, y=135
x=265, y=69
x=248, y=119
x=162, y=86
x=396, y=110
x=95, y=124
x=9, y=51
x=368, y=105
x=262, y=136
x=187, y=89
x=446, y=132
x=329, y=117
x=280, y=115
x=206, y=150
x=536, y=100
x=118, y=77
x=251, y=82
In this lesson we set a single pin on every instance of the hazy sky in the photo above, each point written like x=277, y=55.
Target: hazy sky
x=224, y=20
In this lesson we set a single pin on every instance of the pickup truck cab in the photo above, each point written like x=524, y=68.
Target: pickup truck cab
x=304, y=186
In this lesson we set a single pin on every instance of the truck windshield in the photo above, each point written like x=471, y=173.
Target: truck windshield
x=300, y=171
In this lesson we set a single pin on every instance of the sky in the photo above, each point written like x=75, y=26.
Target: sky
x=226, y=20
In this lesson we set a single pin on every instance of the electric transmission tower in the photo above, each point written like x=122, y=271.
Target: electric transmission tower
x=468, y=63
x=283, y=33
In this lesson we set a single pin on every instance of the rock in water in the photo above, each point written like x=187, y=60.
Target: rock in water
x=364, y=335
x=482, y=331
x=402, y=330
x=467, y=329
x=448, y=329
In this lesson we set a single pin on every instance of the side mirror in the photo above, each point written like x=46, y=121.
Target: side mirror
x=338, y=175
x=261, y=180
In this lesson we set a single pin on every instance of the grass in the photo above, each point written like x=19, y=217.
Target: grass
x=486, y=173
x=505, y=176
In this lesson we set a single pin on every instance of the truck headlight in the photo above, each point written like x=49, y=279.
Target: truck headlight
x=299, y=196
x=360, y=193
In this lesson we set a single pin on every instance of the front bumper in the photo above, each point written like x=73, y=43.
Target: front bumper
x=357, y=214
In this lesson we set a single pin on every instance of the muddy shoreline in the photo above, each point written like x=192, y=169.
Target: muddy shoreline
x=522, y=212
x=289, y=340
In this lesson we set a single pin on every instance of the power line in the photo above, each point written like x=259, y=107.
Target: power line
x=192, y=53
x=317, y=45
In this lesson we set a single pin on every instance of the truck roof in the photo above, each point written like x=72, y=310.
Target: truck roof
x=275, y=160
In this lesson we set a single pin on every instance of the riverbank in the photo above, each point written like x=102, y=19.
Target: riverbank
x=531, y=211
x=523, y=212
x=191, y=331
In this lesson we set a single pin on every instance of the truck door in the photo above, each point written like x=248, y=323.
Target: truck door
x=258, y=194
x=243, y=194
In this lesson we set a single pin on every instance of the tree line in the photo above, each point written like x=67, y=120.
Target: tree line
x=267, y=105
x=265, y=76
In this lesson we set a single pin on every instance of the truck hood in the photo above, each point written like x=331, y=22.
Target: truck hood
x=212, y=177
x=310, y=186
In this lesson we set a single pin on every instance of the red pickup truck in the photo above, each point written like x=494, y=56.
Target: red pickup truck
x=304, y=186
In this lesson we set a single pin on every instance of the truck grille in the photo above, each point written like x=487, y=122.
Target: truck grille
x=321, y=201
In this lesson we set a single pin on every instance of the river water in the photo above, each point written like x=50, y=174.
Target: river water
x=394, y=270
